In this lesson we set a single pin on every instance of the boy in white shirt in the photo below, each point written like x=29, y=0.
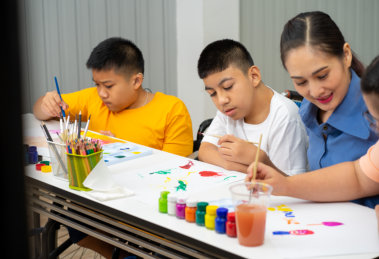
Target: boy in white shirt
x=248, y=108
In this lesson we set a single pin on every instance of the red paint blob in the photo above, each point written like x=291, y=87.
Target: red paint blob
x=332, y=224
x=209, y=173
x=301, y=232
x=187, y=166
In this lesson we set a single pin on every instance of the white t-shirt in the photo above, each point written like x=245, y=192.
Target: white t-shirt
x=284, y=137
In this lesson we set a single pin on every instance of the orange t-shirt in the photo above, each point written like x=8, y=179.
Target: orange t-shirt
x=164, y=123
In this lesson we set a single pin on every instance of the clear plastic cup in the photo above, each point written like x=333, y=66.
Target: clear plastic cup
x=251, y=201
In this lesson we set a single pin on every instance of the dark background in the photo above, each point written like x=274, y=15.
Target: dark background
x=13, y=213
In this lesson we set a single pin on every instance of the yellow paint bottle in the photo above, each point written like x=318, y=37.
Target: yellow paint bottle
x=210, y=216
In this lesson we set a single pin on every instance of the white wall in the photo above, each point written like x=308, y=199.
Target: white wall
x=198, y=24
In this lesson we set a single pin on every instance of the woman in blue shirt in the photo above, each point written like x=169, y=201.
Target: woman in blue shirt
x=326, y=73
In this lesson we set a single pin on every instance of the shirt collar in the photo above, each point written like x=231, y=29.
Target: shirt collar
x=347, y=117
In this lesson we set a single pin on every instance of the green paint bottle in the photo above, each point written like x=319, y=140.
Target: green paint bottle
x=200, y=213
x=163, y=202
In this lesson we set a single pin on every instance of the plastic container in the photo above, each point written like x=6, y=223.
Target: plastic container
x=200, y=213
x=220, y=222
x=79, y=167
x=181, y=207
x=191, y=210
x=231, y=228
x=171, y=204
x=210, y=216
x=162, y=202
x=33, y=155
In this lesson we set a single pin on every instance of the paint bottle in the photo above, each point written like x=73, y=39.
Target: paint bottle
x=33, y=155
x=210, y=216
x=181, y=207
x=171, y=204
x=191, y=210
x=231, y=229
x=163, y=202
x=200, y=213
x=220, y=222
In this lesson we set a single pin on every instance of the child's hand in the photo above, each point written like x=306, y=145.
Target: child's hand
x=107, y=133
x=51, y=104
x=236, y=150
x=268, y=175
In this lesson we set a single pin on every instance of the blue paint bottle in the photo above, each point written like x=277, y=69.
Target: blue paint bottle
x=220, y=222
x=33, y=155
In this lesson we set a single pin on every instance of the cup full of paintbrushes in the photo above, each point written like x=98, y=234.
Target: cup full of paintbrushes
x=82, y=156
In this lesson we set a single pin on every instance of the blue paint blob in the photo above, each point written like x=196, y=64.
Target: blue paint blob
x=281, y=233
x=289, y=215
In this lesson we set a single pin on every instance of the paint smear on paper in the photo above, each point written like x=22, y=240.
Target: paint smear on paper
x=332, y=224
x=328, y=224
x=299, y=232
x=181, y=186
x=209, y=173
x=162, y=172
x=187, y=166
x=302, y=232
x=226, y=178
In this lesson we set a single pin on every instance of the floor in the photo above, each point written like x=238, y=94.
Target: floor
x=74, y=251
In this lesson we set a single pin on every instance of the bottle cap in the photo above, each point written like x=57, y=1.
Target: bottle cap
x=164, y=194
x=231, y=217
x=222, y=212
x=46, y=168
x=181, y=200
x=32, y=148
x=211, y=209
x=171, y=197
x=191, y=203
x=202, y=205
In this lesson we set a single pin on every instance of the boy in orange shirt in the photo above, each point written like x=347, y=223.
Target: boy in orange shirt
x=119, y=106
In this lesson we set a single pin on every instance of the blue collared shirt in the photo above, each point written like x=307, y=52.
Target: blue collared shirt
x=348, y=135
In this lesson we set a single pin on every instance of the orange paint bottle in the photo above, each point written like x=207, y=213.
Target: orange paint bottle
x=191, y=210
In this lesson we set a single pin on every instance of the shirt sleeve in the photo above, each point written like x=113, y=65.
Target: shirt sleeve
x=217, y=128
x=287, y=146
x=178, y=134
x=369, y=163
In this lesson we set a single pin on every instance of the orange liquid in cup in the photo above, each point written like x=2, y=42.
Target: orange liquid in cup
x=251, y=223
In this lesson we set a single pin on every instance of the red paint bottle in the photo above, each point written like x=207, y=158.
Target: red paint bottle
x=231, y=229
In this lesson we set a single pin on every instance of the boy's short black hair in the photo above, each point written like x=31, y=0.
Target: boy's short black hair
x=370, y=78
x=116, y=53
x=219, y=55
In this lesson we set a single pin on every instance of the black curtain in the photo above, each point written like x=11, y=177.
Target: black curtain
x=13, y=208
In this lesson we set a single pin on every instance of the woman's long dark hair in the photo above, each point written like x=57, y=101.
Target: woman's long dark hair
x=318, y=30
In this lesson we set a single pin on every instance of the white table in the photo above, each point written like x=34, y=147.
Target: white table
x=131, y=219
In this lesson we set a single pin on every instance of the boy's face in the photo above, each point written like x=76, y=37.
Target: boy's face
x=115, y=90
x=231, y=91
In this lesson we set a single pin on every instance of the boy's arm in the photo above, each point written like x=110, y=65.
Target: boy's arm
x=48, y=106
x=341, y=182
x=209, y=153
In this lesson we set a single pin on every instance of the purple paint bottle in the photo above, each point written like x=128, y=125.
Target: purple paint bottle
x=181, y=207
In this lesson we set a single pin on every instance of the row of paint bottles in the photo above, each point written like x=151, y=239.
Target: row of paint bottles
x=210, y=216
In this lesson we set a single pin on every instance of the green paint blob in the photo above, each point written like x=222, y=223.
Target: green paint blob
x=162, y=172
x=120, y=156
x=226, y=178
x=181, y=186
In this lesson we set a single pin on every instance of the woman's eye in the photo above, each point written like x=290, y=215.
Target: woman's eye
x=301, y=83
x=228, y=87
